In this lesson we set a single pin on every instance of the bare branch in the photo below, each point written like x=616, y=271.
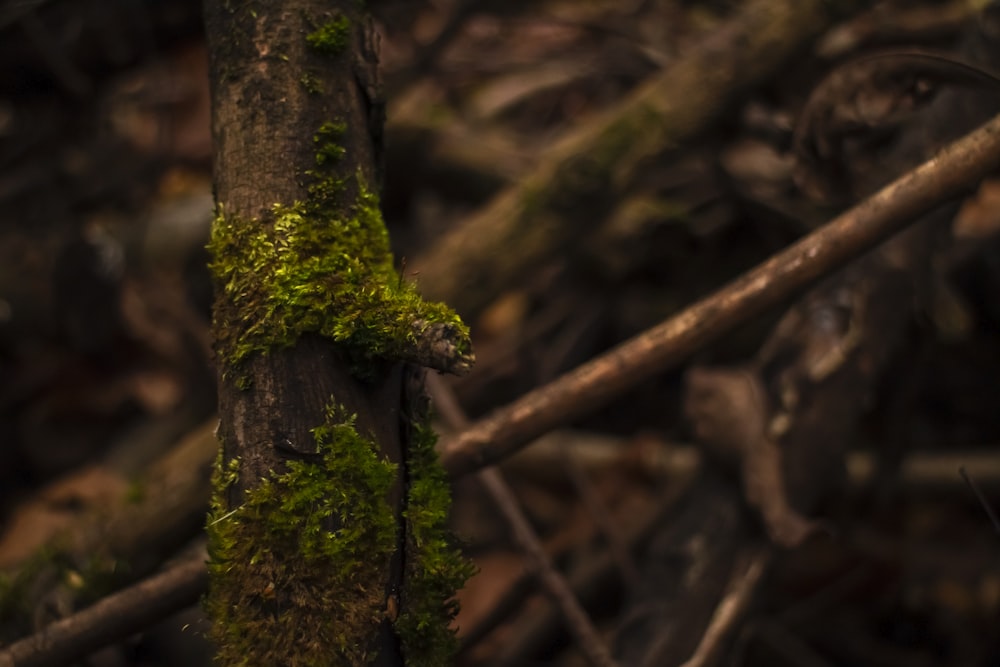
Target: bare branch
x=732, y=607
x=981, y=497
x=538, y=561
x=588, y=169
x=956, y=169
x=113, y=618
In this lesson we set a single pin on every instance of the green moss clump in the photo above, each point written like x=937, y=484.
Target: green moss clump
x=311, y=83
x=322, y=267
x=292, y=568
x=328, y=150
x=332, y=38
x=287, y=588
x=435, y=567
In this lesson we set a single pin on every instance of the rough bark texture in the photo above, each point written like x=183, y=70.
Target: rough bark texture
x=312, y=558
x=260, y=114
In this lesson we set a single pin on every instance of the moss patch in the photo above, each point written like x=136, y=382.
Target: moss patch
x=435, y=567
x=287, y=589
x=322, y=266
x=332, y=38
x=311, y=84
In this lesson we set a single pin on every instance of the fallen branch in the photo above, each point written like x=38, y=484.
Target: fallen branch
x=953, y=171
x=113, y=618
x=945, y=176
x=731, y=609
x=538, y=561
x=580, y=180
x=507, y=430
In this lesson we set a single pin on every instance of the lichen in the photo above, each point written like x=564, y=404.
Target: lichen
x=332, y=38
x=435, y=567
x=295, y=567
x=316, y=269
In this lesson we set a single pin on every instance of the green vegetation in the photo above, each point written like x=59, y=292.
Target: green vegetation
x=81, y=582
x=332, y=38
x=298, y=565
x=435, y=568
x=293, y=566
x=310, y=541
x=316, y=270
x=312, y=84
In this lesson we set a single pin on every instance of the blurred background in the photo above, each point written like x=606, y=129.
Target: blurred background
x=107, y=387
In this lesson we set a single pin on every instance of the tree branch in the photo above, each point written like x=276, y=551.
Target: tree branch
x=580, y=179
x=953, y=171
x=537, y=560
x=113, y=618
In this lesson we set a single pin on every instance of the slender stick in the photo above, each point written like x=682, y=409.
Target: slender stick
x=487, y=441
x=731, y=610
x=613, y=534
x=555, y=584
x=953, y=171
x=113, y=618
x=980, y=496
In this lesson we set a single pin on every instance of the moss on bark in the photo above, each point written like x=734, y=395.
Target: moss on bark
x=295, y=568
x=315, y=269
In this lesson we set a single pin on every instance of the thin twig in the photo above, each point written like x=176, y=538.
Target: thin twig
x=954, y=170
x=555, y=584
x=538, y=561
x=598, y=381
x=789, y=646
x=617, y=544
x=49, y=51
x=730, y=610
x=592, y=578
x=980, y=496
x=113, y=618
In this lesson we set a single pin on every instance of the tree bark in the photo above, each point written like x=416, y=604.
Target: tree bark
x=312, y=557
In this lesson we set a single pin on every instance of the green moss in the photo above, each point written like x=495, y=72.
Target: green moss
x=292, y=567
x=311, y=83
x=435, y=567
x=322, y=266
x=332, y=38
x=328, y=150
x=284, y=582
x=136, y=492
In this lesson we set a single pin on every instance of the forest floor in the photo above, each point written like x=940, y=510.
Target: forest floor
x=845, y=535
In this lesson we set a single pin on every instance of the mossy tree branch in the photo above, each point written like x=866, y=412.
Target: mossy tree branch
x=326, y=539
x=580, y=181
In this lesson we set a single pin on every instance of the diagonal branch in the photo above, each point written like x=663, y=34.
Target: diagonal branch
x=953, y=171
x=579, y=180
x=537, y=560
x=114, y=618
